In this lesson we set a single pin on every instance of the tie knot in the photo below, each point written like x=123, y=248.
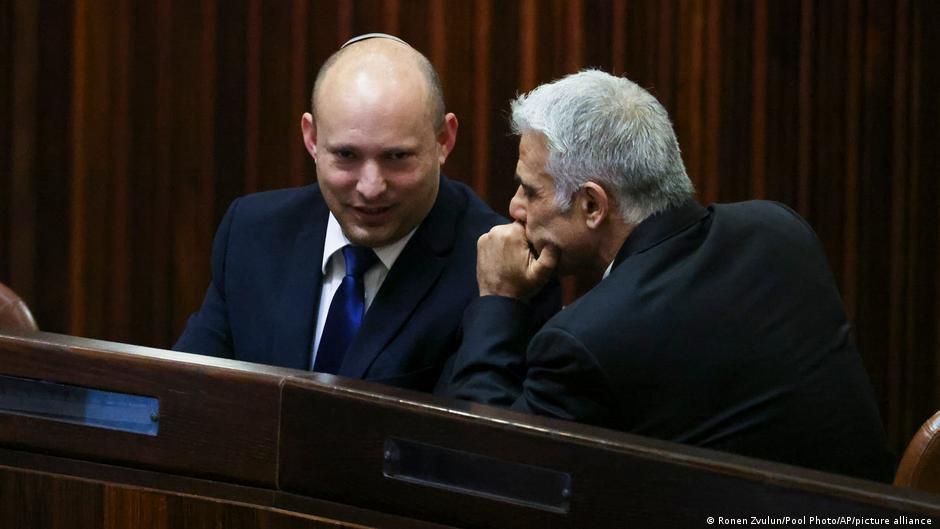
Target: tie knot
x=358, y=260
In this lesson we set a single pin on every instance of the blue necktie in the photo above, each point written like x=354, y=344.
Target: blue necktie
x=346, y=310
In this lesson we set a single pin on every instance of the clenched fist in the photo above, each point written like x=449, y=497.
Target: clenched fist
x=507, y=267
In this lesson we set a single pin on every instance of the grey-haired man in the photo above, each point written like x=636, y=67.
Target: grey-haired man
x=719, y=327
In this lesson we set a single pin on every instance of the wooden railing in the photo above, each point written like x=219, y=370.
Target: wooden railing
x=99, y=435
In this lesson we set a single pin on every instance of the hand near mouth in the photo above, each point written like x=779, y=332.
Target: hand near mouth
x=509, y=266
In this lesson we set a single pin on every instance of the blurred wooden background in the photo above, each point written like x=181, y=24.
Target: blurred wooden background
x=127, y=127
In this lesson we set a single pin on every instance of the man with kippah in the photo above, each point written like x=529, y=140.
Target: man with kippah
x=365, y=274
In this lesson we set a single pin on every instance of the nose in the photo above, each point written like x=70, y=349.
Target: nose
x=371, y=184
x=517, y=206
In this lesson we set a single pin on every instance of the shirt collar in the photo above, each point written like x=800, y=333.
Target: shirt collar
x=335, y=240
x=660, y=227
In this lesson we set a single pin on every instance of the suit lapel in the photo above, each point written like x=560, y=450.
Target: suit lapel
x=407, y=283
x=298, y=302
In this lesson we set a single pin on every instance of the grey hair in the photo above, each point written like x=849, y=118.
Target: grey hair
x=605, y=129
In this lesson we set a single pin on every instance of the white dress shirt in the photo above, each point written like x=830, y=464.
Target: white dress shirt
x=334, y=269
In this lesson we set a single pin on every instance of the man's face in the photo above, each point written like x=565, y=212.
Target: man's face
x=378, y=158
x=534, y=206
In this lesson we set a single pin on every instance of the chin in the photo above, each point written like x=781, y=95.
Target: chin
x=570, y=265
x=370, y=240
x=371, y=237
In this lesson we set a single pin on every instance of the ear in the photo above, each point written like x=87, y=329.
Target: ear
x=447, y=137
x=309, y=130
x=594, y=204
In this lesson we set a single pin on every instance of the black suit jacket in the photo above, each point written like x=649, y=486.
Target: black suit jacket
x=721, y=328
x=261, y=305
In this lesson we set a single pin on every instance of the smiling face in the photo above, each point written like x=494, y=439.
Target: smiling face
x=377, y=148
x=534, y=207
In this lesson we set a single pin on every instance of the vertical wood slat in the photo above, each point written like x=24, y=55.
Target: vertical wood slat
x=344, y=16
x=852, y=138
x=22, y=242
x=76, y=235
x=921, y=74
x=253, y=95
x=481, y=92
x=904, y=190
x=711, y=169
x=99, y=168
x=119, y=309
x=391, y=10
x=618, y=39
x=53, y=167
x=528, y=44
x=759, y=102
x=667, y=26
x=574, y=44
x=206, y=100
x=276, y=114
x=438, y=52
x=457, y=77
x=805, y=125
x=160, y=263
x=7, y=67
x=298, y=89
x=194, y=167
x=689, y=94
x=898, y=244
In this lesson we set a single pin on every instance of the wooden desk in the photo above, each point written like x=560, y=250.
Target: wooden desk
x=242, y=445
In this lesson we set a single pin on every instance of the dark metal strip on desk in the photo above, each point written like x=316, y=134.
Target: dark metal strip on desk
x=468, y=473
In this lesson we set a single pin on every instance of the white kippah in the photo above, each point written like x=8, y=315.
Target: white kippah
x=367, y=36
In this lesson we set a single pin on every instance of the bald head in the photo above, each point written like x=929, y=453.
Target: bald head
x=378, y=66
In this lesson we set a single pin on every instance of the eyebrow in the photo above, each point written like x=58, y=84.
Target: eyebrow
x=333, y=147
x=404, y=147
x=522, y=183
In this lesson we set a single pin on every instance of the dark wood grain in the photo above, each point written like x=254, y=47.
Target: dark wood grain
x=127, y=128
x=40, y=500
x=207, y=426
x=29, y=499
x=25, y=47
x=6, y=137
x=242, y=445
x=125, y=503
x=617, y=479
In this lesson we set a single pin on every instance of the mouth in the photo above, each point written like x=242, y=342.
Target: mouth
x=532, y=250
x=371, y=214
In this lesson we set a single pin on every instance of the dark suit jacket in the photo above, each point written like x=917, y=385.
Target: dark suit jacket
x=721, y=328
x=261, y=305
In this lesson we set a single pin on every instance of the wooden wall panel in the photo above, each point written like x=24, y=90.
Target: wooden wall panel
x=39, y=500
x=25, y=46
x=6, y=119
x=35, y=77
x=27, y=501
x=126, y=129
